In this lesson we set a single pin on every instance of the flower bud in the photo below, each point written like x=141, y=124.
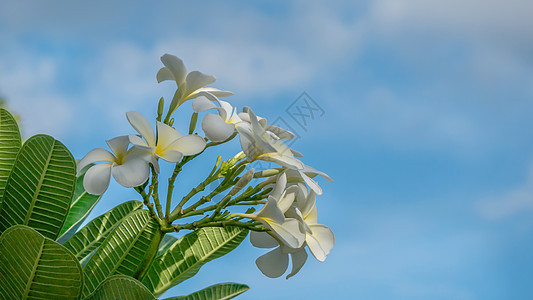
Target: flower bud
x=160, y=108
x=243, y=181
x=194, y=119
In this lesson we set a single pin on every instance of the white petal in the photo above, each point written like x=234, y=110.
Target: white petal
x=287, y=198
x=271, y=211
x=133, y=172
x=155, y=164
x=308, y=208
x=312, y=171
x=281, y=184
x=321, y=241
x=274, y=263
x=95, y=155
x=244, y=116
x=164, y=74
x=303, y=188
x=176, y=67
x=282, y=148
x=251, y=143
x=234, y=119
x=201, y=104
x=256, y=127
x=137, y=141
x=294, y=213
x=119, y=145
x=166, y=135
x=282, y=160
x=215, y=92
x=227, y=110
x=172, y=156
x=298, y=259
x=197, y=79
x=313, y=185
x=263, y=240
x=96, y=180
x=142, y=126
x=188, y=145
x=216, y=129
x=289, y=233
x=296, y=153
x=280, y=132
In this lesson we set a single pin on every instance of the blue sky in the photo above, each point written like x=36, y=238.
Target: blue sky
x=427, y=126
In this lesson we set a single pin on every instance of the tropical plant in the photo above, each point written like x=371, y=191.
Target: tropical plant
x=130, y=252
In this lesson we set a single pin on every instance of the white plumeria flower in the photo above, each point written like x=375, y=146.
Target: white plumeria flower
x=189, y=85
x=307, y=174
x=274, y=263
x=217, y=127
x=258, y=144
x=276, y=132
x=287, y=230
x=170, y=145
x=271, y=215
x=130, y=168
x=319, y=239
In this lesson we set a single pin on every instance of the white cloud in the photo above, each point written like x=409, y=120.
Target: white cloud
x=500, y=29
x=518, y=200
x=28, y=83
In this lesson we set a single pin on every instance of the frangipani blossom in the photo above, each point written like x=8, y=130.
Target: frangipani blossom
x=307, y=174
x=287, y=230
x=271, y=215
x=258, y=144
x=276, y=132
x=217, y=127
x=170, y=145
x=189, y=85
x=129, y=167
x=318, y=238
x=274, y=263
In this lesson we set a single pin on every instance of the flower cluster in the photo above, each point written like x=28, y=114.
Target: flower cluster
x=288, y=217
x=290, y=212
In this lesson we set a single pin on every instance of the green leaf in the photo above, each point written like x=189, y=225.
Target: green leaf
x=35, y=267
x=221, y=291
x=125, y=251
x=92, y=235
x=81, y=206
x=121, y=287
x=39, y=190
x=10, y=143
x=188, y=254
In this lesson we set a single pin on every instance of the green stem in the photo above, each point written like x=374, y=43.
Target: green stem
x=252, y=225
x=222, y=204
x=171, y=109
x=171, y=181
x=150, y=206
x=193, y=207
x=178, y=209
x=192, y=125
x=155, y=193
x=257, y=202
